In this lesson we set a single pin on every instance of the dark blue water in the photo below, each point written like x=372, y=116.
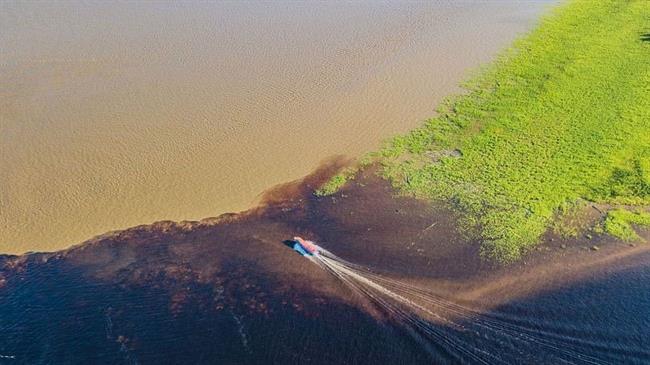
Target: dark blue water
x=233, y=293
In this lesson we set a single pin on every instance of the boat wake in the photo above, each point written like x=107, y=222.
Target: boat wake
x=440, y=324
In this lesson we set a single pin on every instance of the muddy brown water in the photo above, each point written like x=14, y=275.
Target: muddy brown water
x=113, y=115
x=227, y=290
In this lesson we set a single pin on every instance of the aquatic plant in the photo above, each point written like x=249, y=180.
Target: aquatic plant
x=336, y=182
x=563, y=115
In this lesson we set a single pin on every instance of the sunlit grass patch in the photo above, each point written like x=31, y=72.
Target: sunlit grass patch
x=619, y=223
x=571, y=219
x=562, y=116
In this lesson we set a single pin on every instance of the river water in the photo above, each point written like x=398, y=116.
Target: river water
x=394, y=289
x=118, y=115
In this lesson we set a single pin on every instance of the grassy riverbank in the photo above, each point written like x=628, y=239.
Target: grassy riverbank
x=561, y=117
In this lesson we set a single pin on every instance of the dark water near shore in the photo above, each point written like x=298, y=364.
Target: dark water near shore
x=228, y=291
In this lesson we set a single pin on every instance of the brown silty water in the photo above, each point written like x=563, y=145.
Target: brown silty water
x=227, y=289
x=113, y=116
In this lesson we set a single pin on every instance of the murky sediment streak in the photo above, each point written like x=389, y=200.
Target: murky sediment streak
x=112, y=116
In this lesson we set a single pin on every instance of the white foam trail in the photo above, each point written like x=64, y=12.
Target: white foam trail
x=379, y=294
x=505, y=328
x=398, y=300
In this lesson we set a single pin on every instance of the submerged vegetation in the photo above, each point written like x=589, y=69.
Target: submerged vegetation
x=562, y=116
x=336, y=182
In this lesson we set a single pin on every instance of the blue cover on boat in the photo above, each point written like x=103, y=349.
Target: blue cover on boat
x=301, y=250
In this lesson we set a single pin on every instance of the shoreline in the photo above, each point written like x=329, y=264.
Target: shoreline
x=363, y=194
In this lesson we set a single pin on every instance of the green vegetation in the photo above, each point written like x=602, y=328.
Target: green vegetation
x=619, y=223
x=336, y=182
x=571, y=219
x=563, y=115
